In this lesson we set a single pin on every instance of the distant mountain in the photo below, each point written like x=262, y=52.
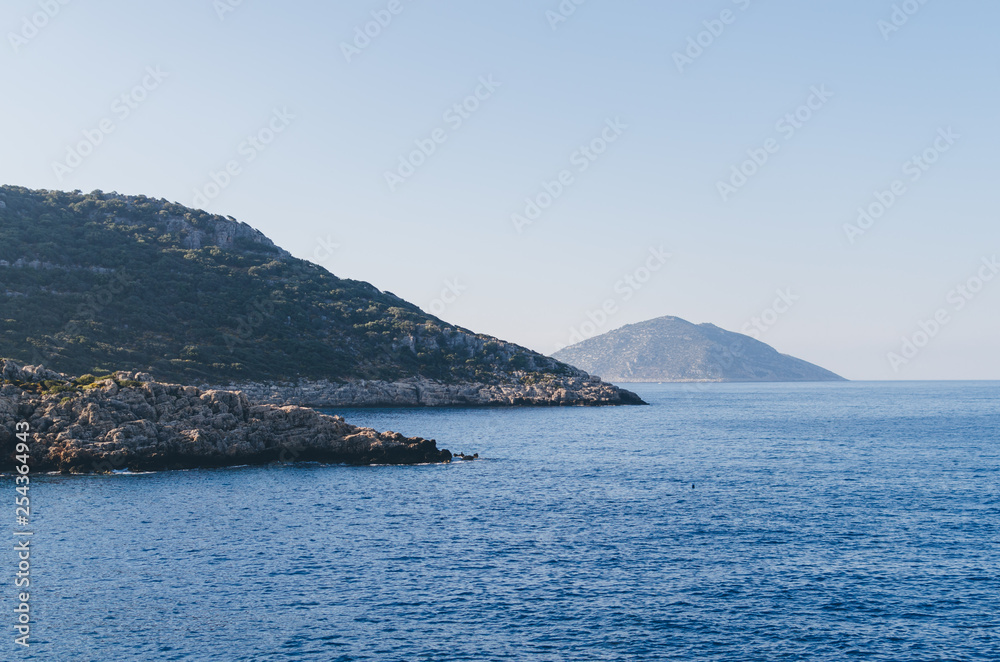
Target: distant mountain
x=101, y=282
x=669, y=349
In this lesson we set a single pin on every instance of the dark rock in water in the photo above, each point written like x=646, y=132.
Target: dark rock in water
x=669, y=349
x=121, y=422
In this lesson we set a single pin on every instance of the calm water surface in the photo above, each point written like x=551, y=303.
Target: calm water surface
x=725, y=522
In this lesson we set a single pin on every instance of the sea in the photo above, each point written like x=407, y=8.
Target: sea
x=724, y=522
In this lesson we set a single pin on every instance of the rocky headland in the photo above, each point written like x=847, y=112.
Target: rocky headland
x=127, y=421
x=146, y=285
x=580, y=390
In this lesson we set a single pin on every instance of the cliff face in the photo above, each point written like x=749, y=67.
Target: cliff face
x=669, y=349
x=121, y=423
x=113, y=282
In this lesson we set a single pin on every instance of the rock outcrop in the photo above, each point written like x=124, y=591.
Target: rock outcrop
x=573, y=391
x=121, y=422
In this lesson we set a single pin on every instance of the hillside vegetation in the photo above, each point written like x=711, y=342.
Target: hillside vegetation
x=93, y=283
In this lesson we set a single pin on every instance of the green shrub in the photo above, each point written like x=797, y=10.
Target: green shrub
x=133, y=296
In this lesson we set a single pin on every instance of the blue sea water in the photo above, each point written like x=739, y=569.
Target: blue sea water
x=843, y=521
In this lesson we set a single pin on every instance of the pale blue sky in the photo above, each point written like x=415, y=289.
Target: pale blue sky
x=449, y=226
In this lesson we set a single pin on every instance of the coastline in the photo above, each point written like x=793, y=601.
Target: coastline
x=127, y=421
x=130, y=421
x=417, y=392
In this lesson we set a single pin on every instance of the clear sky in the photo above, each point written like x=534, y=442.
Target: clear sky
x=833, y=99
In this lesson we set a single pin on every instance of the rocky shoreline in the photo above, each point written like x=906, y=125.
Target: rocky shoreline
x=127, y=421
x=415, y=392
